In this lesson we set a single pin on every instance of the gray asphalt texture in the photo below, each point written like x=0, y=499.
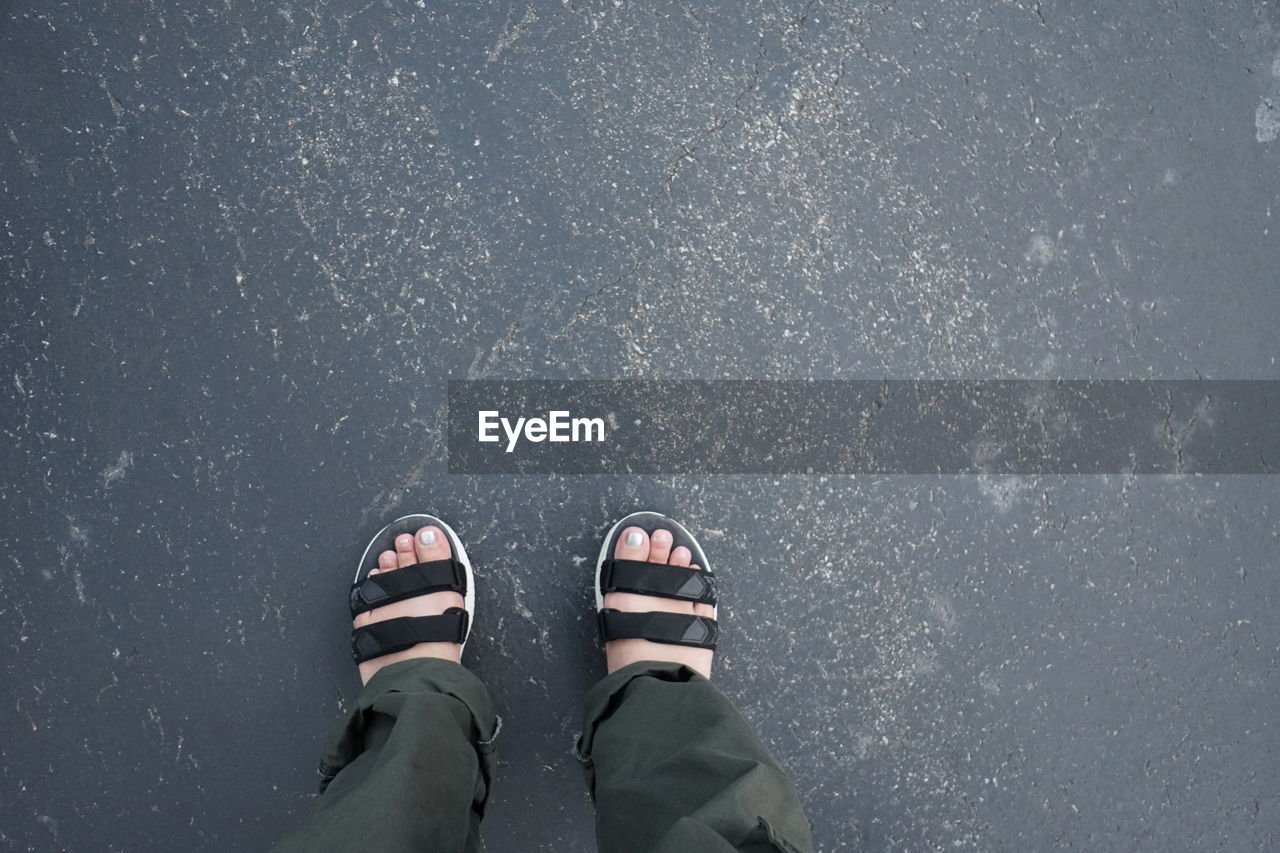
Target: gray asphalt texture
x=243, y=245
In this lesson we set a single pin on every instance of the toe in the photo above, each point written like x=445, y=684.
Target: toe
x=405, y=555
x=659, y=546
x=633, y=544
x=681, y=556
x=430, y=543
x=705, y=610
x=386, y=562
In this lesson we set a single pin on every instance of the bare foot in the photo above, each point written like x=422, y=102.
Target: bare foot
x=635, y=544
x=430, y=543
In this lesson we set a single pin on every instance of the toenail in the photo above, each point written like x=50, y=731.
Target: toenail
x=661, y=536
x=405, y=541
x=427, y=537
x=634, y=539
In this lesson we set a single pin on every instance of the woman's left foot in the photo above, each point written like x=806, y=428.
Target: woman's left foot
x=429, y=543
x=636, y=544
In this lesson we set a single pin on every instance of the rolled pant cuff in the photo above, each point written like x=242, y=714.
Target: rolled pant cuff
x=419, y=675
x=605, y=695
x=673, y=766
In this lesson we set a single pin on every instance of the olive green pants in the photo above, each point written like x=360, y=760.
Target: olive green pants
x=671, y=765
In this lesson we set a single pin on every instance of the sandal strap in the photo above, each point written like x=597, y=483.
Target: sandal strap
x=408, y=582
x=660, y=579
x=677, y=629
x=394, y=635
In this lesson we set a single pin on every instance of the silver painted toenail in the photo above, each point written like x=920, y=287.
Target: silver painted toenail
x=635, y=539
x=427, y=538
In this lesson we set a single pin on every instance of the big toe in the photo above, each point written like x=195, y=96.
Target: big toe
x=633, y=544
x=430, y=543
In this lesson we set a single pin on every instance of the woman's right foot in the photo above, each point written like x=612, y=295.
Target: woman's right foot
x=635, y=544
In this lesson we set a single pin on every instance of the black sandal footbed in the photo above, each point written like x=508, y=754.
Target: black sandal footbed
x=690, y=630
x=400, y=631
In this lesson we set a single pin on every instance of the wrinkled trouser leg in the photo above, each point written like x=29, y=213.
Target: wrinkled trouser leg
x=410, y=767
x=674, y=767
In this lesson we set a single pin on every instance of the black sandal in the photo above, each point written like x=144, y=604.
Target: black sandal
x=449, y=575
x=657, y=579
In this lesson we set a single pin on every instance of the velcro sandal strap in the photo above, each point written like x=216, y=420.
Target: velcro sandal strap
x=679, y=582
x=394, y=635
x=677, y=629
x=408, y=582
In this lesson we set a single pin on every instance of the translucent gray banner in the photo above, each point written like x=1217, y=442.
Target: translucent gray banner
x=864, y=427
